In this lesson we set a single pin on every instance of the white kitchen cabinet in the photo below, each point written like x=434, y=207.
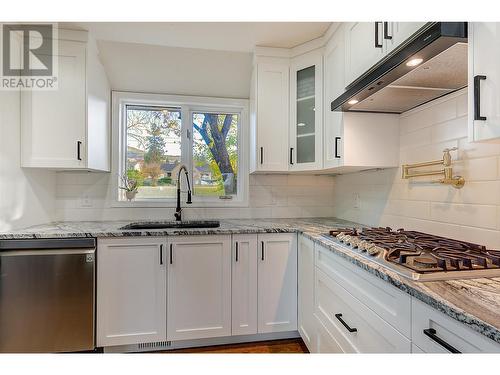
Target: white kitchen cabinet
x=244, y=284
x=131, y=291
x=334, y=86
x=277, y=282
x=269, y=116
x=306, y=318
x=355, y=327
x=396, y=33
x=484, y=81
x=306, y=113
x=69, y=128
x=364, y=47
x=435, y=332
x=199, y=287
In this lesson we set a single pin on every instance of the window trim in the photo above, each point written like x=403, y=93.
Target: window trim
x=188, y=105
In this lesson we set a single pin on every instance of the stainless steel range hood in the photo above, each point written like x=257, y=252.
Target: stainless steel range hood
x=392, y=86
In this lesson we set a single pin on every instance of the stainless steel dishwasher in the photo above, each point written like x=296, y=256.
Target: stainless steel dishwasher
x=47, y=289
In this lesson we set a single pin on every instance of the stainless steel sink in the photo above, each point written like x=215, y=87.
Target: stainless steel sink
x=173, y=224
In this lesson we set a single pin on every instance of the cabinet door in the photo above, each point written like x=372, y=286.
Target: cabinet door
x=334, y=81
x=244, y=284
x=484, y=80
x=306, y=84
x=199, y=287
x=54, y=122
x=131, y=291
x=306, y=319
x=277, y=282
x=395, y=33
x=363, y=47
x=272, y=117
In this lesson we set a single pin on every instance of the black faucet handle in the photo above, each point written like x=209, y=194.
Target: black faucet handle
x=189, y=198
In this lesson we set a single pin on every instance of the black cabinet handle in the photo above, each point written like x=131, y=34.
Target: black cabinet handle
x=377, y=42
x=236, y=251
x=78, y=150
x=261, y=155
x=431, y=332
x=477, y=98
x=291, y=155
x=339, y=317
x=337, y=139
x=171, y=255
x=386, y=31
x=161, y=254
x=262, y=251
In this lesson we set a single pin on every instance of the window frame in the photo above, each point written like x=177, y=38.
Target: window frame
x=188, y=106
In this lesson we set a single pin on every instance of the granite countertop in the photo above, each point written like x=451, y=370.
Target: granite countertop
x=474, y=302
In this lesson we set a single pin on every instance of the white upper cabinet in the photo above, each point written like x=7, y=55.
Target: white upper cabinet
x=269, y=107
x=199, y=287
x=334, y=85
x=395, y=33
x=364, y=46
x=306, y=119
x=131, y=291
x=277, y=282
x=484, y=81
x=69, y=128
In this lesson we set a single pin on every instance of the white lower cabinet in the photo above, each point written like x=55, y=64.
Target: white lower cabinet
x=277, y=282
x=434, y=332
x=244, y=284
x=355, y=327
x=131, y=291
x=306, y=318
x=199, y=287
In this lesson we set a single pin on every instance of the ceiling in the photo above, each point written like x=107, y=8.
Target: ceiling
x=224, y=36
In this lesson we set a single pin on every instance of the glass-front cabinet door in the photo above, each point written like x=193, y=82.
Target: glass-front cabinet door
x=306, y=112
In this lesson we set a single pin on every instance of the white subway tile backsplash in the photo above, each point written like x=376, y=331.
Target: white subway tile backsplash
x=453, y=129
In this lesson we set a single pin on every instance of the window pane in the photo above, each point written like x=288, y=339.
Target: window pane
x=153, y=149
x=215, y=154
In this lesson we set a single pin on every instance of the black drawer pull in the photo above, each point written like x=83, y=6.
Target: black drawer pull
x=171, y=255
x=337, y=139
x=236, y=255
x=161, y=254
x=262, y=255
x=477, y=98
x=431, y=333
x=339, y=317
x=377, y=43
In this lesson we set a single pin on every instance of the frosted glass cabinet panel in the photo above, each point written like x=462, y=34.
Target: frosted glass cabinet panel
x=306, y=99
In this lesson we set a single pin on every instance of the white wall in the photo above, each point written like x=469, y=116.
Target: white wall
x=27, y=196
x=172, y=70
x=271, y=196
x=472, y=213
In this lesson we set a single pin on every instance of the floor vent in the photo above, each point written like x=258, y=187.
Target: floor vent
x=155, y=345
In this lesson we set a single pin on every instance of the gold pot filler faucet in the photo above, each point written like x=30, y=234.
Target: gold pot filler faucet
x=447, y=172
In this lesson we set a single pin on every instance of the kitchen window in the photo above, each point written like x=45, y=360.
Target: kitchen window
x=156, y=134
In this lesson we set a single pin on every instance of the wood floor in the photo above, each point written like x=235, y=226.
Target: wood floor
x=275, y=346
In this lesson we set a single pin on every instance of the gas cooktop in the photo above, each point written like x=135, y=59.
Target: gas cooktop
x=420, y=256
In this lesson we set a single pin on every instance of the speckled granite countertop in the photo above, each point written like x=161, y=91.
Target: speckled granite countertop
x=474, y=302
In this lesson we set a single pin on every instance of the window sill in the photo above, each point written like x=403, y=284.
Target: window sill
x=172, y=204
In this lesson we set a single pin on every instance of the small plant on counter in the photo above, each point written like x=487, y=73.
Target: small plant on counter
x=130, y=187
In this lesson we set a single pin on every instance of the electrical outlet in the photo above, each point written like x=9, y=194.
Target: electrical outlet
x=86, y=201
x=357, y=200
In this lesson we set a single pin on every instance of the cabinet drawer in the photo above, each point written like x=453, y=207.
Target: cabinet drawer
x=452, y=333
x=339, y=311
x=325, y=342
x=391, y=304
